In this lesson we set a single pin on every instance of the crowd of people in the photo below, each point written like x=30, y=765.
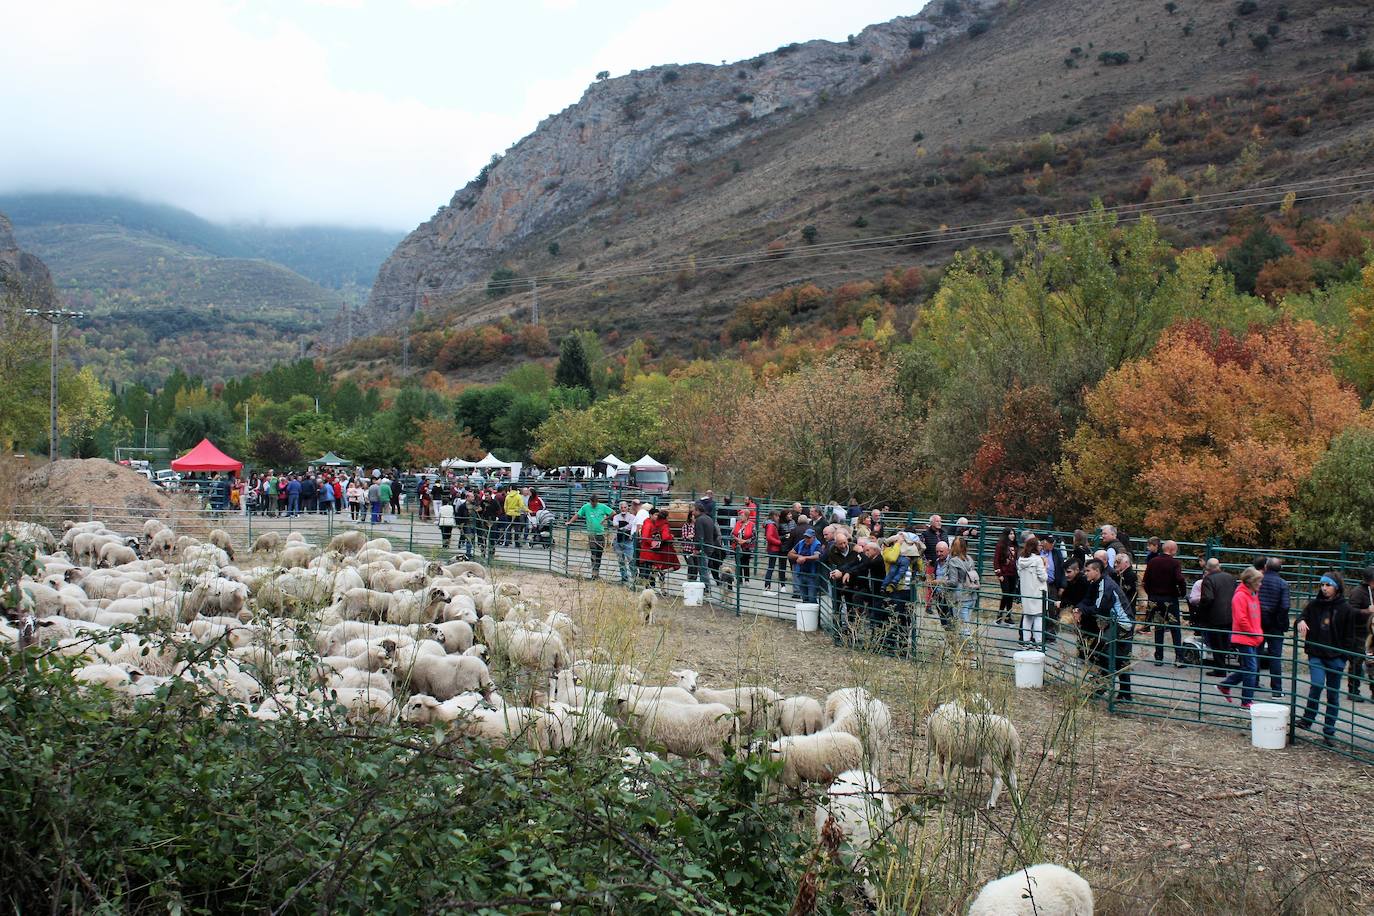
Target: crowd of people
x=877, y=572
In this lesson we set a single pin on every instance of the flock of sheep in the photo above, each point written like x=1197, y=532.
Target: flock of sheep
x=361, y=631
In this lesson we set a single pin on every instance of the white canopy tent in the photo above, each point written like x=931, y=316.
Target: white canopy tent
x=491, y=461
x=648, y=461
x=457, y=463
x=613, y=461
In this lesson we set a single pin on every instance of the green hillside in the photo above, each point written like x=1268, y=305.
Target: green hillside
x=164, y=287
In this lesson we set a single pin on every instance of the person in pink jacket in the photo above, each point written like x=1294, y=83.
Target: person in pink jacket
x=1247, y=635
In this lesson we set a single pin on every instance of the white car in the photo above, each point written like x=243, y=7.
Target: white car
x=168, y=479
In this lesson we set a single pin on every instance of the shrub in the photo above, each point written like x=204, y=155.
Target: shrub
x=1364, y=61
x=1114, y=58
x=1260, y=41
x=865, y=58
x=978, y=27
x=499, y=284
x=222, y=813
x=744, y=98
x=604, y=74
x=918, y=137
x=809, y=234
x=1246, y=7
x=554, y=248
x=670, y=76
x=950, y=7
x=917, y=40
x=860, y=221
x=1171, y=7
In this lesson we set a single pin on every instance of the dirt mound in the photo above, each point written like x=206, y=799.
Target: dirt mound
x=68, y=489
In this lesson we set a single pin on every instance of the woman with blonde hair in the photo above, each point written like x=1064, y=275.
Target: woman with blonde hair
x=1034, y=581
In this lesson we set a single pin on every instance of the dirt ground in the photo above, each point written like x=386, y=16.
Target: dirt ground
x=1161, y=817
x=62, y=488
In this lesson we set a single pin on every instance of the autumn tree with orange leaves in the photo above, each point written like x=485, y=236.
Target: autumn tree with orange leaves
x=1012, y=472
x=1209, y=434
x=437, y=439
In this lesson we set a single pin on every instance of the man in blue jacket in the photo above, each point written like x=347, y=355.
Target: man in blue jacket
x=1103, y=617
x=1276, y=603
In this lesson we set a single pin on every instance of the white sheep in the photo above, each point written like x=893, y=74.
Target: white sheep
x=687, y=730
x=356, y=677
x=862, y=813
x=267, y=542
x=221, y=539
x=818, y=758
x=956, y=737
x=347, y=542
x=112, y=677
x=757, y=705
x=162, y=543
x=453, y=635
x=440, y=676
x=465, y=568
x=476, y=650
x=566, y=726
x=536, y=651
x=1040, y=890
x=800, y=715
x=359, y=703
x=656, y=693
x=604, y=674
x=855, y=711
x=648, y=603
x=114, y=554
x=296, y=555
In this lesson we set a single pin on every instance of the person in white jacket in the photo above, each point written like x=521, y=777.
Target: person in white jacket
x=446, y=519
x=1030, y=568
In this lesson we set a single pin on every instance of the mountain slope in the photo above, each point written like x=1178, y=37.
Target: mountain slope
x=164, y=287
x=639, y=127
x=948, y=137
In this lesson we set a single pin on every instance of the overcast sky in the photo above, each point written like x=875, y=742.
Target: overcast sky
x=362, y=112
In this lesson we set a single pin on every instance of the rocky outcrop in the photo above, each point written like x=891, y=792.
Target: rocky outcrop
x=634, y=129
x=25, y=281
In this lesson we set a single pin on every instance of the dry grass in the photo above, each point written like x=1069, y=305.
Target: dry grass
x=1161, y=817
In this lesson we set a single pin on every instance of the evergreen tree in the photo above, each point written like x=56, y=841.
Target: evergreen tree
x=574, y=370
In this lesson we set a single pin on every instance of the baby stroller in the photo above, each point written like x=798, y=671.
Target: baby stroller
x=540, y=533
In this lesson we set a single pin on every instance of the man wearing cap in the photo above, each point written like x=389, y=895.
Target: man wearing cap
x=806, y=554
x=626, y=529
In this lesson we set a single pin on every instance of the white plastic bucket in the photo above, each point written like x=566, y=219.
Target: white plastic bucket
x=1269, y=726
x=808, y=617
x=1030, y=669
x=692, y=593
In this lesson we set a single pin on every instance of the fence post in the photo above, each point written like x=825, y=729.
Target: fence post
x=982, y=539
x=412, y=533
x=739, y=580
x=567, y=548
x=1345, y=554
x=1111, y=670
x=1293, y=686
x=90, y=512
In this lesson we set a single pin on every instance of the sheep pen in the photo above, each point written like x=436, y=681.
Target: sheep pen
x=232, y=747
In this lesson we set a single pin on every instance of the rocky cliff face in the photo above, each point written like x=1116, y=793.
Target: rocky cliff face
x=25, y=281
x=636, y=129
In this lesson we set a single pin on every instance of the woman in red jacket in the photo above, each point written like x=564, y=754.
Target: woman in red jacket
x=1247, y=635
x=656, y=548
x=777, y=556
x=742, y=538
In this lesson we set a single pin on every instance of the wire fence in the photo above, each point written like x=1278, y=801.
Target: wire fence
x=1162, y=668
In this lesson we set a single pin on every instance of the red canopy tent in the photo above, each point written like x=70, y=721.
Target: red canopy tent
x=205, y=457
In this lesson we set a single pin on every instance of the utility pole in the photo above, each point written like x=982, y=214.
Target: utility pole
x=405, y=352
x=53, y=317
x=534, y=309
x=145, y=433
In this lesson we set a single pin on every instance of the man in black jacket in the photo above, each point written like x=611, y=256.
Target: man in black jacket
x=1214, y=614
x=1362, y=603
x=862, y=576
x=1164, y=587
